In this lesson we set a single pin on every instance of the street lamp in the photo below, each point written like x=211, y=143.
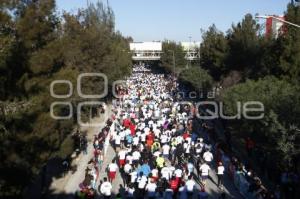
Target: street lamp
x=277, y=18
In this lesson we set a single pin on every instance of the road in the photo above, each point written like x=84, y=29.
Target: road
x=69, y=184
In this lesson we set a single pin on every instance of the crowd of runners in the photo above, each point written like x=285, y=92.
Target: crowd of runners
x=161, y=149
x=158, y=153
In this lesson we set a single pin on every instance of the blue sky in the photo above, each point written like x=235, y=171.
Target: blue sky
x=148, y=20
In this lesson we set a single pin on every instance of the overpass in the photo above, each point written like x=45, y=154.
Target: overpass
x=146, y=51
x=151, y=51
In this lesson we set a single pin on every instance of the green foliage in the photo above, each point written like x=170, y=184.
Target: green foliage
x=38, y=47
x=213, y=52
x=48, y=59
x=281, y=102
x=243, y=43
x=11, y=56
x=167, y=61
x=290, y=44
x=254, y=55
x=6, y=43
x=37, y=23
x=269, y=68
x=268, y=59
x=197, y=77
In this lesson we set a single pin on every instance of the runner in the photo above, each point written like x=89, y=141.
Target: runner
x=112, y=170
x=105, y=189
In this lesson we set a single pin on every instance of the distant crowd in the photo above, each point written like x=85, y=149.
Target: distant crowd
x=162, y=149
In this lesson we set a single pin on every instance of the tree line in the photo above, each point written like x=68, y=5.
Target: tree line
x=39, y=45
x=250, y=66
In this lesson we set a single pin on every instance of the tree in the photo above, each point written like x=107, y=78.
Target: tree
x=281, y=102
x=168, y=48
x=37, y=48
x=37, y=23
x=197, y=77
x=268, y=58
x=243, y=43
x=213, y=52
x=290, y=40
x=11, y=55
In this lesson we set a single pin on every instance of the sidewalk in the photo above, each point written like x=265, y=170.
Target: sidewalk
x=69, y=184
x=118, y=182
